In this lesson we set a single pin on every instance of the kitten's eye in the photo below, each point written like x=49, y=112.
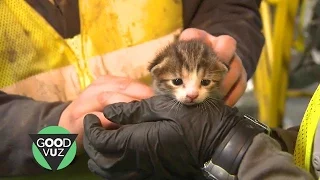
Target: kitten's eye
x=177, y=82
x=205, y=82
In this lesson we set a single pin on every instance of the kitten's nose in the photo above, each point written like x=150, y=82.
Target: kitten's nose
x=193, y=96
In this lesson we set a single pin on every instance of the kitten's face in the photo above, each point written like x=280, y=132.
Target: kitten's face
x=188, y=71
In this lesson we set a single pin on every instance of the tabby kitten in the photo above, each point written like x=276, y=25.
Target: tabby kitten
x=189, y=71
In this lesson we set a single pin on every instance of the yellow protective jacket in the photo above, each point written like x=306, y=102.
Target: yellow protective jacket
x=108, y=37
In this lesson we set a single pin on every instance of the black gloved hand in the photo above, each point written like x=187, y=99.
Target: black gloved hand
x=159, y=139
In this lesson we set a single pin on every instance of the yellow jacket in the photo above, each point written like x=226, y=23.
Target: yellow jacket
x=116, y=37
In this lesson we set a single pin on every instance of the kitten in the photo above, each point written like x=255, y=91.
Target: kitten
x=189, y=71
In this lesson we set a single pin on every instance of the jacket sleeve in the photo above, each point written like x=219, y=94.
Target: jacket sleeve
x=265, y=160
x=239, y=19
x=21, y=116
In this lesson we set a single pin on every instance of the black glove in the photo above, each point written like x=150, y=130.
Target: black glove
x=158, y=139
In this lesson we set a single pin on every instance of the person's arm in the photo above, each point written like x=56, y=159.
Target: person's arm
x=265, y=160
x=20, y=116
x=238, y=19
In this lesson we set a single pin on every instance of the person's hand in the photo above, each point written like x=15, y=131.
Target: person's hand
x=235, y=82
x=102, y=92
x=158, y=139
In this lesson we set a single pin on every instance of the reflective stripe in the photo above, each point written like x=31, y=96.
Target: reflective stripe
x=305, y=139
x=316, y=152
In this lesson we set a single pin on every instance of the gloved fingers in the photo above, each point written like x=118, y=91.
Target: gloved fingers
x=94, y=168
x=101, y=139
x=153, y=109
x=102, y=161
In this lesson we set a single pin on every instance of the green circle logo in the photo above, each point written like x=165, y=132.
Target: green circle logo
x=54, y=148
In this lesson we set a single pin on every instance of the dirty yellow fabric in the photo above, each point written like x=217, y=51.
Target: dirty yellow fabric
x=63, y=83
x=29, y=46
x=110, y=25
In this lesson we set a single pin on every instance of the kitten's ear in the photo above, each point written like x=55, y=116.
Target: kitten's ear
x=153, y=67
x=157, y=64
x=223, y=67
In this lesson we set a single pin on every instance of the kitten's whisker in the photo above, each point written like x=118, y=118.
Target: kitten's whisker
x=199, y=106
x=213, y=98
x=203, y=110
x=179, y=106
x=172, y=104
x=206, y=104
x=203, y=105
x=173, y=101
x=206, y=107
x=213, y=103
x=167, y=105
x=176, y=107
